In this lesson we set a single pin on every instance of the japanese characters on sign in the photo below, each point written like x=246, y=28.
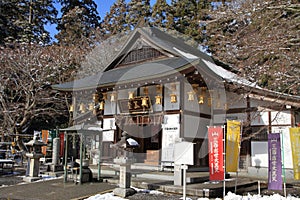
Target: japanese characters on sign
x=135, y=105
x=232, y=145
x=216, y=160
x=275, y=166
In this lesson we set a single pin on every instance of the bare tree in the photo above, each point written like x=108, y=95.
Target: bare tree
x=25, y=94
x=261, y=40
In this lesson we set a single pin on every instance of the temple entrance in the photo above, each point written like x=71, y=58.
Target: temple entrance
x=149, y=140
x=146, y=130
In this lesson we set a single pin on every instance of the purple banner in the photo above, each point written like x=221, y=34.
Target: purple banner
x=275, y=167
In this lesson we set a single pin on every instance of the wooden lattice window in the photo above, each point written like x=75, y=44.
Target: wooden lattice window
x=144, y=53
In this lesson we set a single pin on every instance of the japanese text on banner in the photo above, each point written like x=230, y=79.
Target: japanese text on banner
x=275, y=166
x=232, y=145
x=216, y=161
x=295, y=143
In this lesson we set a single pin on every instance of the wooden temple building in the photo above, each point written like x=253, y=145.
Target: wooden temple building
x=161, y=90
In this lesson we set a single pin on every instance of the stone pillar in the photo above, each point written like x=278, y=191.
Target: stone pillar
x=55, y=152
x=124, y=189
x=56, y=165
x=125, y=176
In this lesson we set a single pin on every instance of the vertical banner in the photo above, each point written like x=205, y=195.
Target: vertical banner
x=45, y=134
x=215, y=151
x=233, y=139
x=295, y=144
x=62, y=144
x=275, y=166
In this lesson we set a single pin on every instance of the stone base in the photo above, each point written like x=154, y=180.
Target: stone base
x=31, y=179
x=55, y=174
x=124, y=192
x=56, y=168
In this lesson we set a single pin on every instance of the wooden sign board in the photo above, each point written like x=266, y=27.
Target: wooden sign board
x=136, y=105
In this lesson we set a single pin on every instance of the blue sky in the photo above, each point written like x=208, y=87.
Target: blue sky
x=103, y=6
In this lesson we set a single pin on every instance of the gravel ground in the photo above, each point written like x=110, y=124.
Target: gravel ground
x=147, y=196
x=8, y=178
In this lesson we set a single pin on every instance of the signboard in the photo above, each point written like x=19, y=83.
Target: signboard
x=215, y=152
x=170, y=134
x=281, y=118
x=109, y=123
x=233, y=139
x=295, y=142
x=135, y=105
x=275, y=168
x=45, y=135
x=286, y=144
x=184, y=153
x=108, y=136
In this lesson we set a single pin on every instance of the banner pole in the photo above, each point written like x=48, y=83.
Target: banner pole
x=282, y=164
x=184, y=167
x=224, y=161
x=238, y=161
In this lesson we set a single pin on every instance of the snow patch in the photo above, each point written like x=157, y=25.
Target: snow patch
x=185, y=54
x=232, y=196
x=106, y=196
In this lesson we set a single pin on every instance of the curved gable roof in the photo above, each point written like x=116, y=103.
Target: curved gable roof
x=159, y=40
x=180, y=55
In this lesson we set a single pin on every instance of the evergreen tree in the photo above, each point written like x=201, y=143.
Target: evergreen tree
x=7, y=28
x=160, y=13
x=115, y=21
x=138, y=11
x=24, y=21
x=187, y=15
x=79, y=21
x=185, y=12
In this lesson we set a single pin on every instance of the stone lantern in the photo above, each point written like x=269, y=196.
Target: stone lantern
x=34, y=154
x=125, y=161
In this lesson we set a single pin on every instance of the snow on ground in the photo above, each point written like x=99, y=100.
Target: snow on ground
x=106, y=196
x=229, y=196
x=110, y=196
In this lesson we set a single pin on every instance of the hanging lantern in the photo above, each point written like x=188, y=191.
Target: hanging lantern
x=130, y=95
x=201, y=99
x=209, y=102
x=101, y=105
x=71, y=109
x=158, y=100
x=145, y=102
x=113, y=96
x=82, y=108
x=96, y=97
x=191, y=95
x=146, y=91
x=91, y=106
x=202, y=95
x=173, y=98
